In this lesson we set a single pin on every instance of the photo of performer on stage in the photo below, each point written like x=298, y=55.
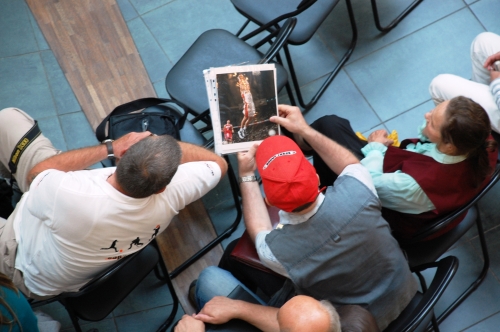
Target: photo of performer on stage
x=247, y=99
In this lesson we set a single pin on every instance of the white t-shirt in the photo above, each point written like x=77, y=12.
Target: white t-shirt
x=72, y=225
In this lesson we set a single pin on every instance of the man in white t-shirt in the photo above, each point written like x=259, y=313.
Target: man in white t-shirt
x=72, y=223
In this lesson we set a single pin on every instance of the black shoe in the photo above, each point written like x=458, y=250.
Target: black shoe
x=192, y=295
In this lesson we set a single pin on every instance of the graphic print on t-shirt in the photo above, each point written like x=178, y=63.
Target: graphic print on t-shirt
x=113, y=246
x=136, y=242
x=156, y=229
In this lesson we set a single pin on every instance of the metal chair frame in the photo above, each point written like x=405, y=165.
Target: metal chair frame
x=396, y=21
x=303, y=6
x=471, y=207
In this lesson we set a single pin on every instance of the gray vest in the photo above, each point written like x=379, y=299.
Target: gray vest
x=346, y=254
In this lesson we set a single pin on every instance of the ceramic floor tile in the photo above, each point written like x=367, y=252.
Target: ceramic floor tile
x=341, y=98
x=337, y=33
x=150, y=293
x=40, y=39
x=77, y=131
x=144, y=321
x=487, y=13
x=485, y=297
x=490, y=209
x=156, y=62
x=106, y=325
x=51, y=128
x=396, y=78
x=144, y=6
x=160, y=89
x=489, y=324
x=64, y=97
x=197, y=17
x=16, y=33
x=128, y=11
x=25, y=86
x=311, y=60
x=407, y=124
x=493, y=243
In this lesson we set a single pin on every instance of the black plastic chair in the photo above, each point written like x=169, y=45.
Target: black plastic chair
x=420, y=251
x=218, y=48
x=100, y=296
x=188, y=133
x=396, y=21
x=419, y=311
x=310, y=14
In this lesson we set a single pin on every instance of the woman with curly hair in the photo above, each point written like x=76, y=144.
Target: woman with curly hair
x=15, y=311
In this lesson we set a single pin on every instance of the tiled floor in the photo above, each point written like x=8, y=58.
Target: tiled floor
x=384, y=85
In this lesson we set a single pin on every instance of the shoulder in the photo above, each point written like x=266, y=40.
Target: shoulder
x=360, y=173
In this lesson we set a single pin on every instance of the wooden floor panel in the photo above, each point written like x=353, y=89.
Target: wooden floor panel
x=93, y=46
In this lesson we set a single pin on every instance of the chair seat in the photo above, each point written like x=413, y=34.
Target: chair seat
x=430, y=251
x=214, y=48
x=263, y=11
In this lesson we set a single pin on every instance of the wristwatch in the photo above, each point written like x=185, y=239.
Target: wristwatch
x=109, y=146
x=249, y=178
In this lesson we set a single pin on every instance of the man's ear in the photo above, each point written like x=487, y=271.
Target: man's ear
x=160, y=191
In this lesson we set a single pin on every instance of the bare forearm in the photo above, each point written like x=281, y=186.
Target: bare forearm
x=333, y=154
x=262, y=317
x=73, y=160
x=254, y=209
x=191, y=152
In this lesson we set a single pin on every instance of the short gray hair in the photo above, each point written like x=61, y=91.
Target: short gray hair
x=148, y=166
x=334, y=316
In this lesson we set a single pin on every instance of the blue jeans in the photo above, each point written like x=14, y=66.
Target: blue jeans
x=214, y=281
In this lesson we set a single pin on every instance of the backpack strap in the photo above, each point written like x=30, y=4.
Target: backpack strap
x=21, y=146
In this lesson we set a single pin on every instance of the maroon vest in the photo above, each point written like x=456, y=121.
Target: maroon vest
x=448, y=186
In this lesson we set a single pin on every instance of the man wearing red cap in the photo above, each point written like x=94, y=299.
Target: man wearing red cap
x=333, y=246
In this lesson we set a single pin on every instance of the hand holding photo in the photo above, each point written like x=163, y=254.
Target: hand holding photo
x=242, y=99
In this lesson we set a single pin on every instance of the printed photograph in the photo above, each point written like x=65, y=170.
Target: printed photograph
x=246, y=102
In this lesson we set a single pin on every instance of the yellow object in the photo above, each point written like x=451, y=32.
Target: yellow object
x=393, y=135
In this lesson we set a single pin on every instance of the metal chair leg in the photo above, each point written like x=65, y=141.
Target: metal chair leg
x=331, y=76
x=235, y=190
x=396, y=21
x=166, y=278
x=480, y=278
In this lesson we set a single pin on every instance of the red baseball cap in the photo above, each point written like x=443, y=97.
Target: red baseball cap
x=289, y=179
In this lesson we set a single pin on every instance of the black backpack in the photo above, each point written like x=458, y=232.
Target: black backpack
x=161, y=120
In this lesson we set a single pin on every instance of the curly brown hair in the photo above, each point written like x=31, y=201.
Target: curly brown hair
x=5, y=321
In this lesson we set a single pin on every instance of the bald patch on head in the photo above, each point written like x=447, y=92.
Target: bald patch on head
x=305, y=314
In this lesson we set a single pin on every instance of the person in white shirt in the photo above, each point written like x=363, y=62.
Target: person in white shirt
x=72, y=223
x=484, y=88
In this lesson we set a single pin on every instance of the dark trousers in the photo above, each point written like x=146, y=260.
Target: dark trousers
x=339, y=130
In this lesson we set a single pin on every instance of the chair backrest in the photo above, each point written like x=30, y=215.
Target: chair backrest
x=99, y=297
x=419, y=311
x=309, y=14
x=219, y=48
